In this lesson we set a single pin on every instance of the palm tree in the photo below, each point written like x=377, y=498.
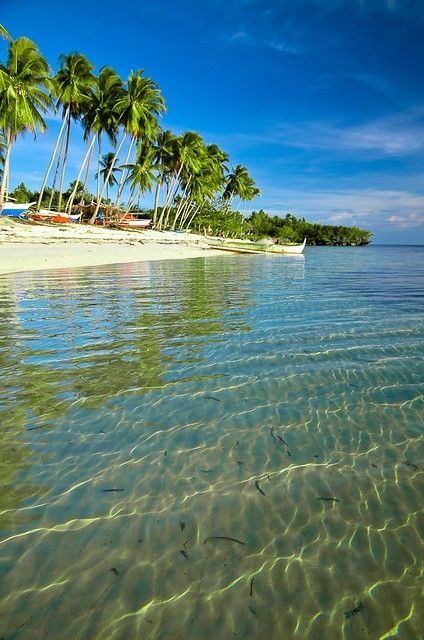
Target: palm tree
x=140, y=107
x=107, y=171
x=240, y=184
x=202, y=182
x=73, y=84
x=142, y=175
x=163, y=152
x=100, y=117
x=138, y=110
x=187, y=151
x=23, y=100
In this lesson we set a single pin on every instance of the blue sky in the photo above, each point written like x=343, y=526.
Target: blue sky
x=322, y=100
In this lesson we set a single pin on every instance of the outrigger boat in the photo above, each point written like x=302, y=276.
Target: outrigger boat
x=257, y=247
x=15, y=209
x=137, y=223
x=44, y=215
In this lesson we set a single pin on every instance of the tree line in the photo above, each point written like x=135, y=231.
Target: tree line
x=182, y=171
x=194, y=185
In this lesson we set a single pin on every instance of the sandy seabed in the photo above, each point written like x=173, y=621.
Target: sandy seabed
x=30, y=247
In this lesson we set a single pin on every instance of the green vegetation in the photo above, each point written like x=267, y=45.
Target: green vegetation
x=292, y=229
x=194, y=183
x=184, y=171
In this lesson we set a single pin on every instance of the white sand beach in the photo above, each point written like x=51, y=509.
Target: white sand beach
x=30, y=247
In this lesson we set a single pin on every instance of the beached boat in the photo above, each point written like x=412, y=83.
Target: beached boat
x=131, y=221
x=44, y=215
x=257, y=247
x=15, y=209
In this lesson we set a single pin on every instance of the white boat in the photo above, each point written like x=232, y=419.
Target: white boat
x=15, y=209
x=257, y=247
x=131, y=221
x=54, y=216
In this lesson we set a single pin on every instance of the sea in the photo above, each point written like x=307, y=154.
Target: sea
x=222, y=447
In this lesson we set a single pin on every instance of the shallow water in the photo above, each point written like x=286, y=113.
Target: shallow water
x=150, y=412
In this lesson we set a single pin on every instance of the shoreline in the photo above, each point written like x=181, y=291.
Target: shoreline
x=25, y=247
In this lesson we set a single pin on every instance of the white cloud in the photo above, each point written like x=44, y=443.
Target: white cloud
x=373, y=209
x=391, y=136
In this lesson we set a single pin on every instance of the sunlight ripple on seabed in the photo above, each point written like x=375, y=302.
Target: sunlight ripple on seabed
x=186, y=460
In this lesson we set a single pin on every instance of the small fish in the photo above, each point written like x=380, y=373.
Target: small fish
x=115, y=571
x=282, y=440
x=251, y=587
x=411, y=464
x=182, y=526
x=252, y=610
x=212, y=398
x=239, y=462
x=222, y=538
x=359, y=607
x=258, y=488
x=329, y=499
x=184, y=553
x=374, y=465
x=206, y=470
x=165, y=452
x=109, y=490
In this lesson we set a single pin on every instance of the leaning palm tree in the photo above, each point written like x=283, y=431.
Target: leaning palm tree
x=142, y=174
x=107, y=171
x=73, y=84
x=188, y=153
x=240, y=184
x=24, y=80
x=163, y=152
x=100, y=117
x=138, y=109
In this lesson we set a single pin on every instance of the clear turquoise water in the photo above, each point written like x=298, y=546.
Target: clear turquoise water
x=149, y=412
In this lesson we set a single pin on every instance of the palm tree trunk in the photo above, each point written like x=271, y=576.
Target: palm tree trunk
x=169, y=196
x=5, y=176
x=125, y=172
x=196, y=211
x=157, y=192
x=56, y=173
x=187, y=211
x=74, y=190
x=65, y=160
x=109, y=173
x=99, y=151
x=87, y=173
x=181, y=206
x=46, y=175
x=130, y=201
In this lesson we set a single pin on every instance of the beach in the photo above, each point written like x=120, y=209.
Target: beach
x=30, y=247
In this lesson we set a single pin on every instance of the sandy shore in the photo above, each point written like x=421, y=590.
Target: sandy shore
x=28, y=247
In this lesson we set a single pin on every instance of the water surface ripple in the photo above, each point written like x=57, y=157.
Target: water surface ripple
x=220, y=447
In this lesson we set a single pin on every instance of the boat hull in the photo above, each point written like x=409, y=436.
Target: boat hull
x=15, y=209
x=274, y=249
x=134, y=223
x=54, y=216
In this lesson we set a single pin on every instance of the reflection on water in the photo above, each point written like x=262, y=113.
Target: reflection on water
x=222, y=447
